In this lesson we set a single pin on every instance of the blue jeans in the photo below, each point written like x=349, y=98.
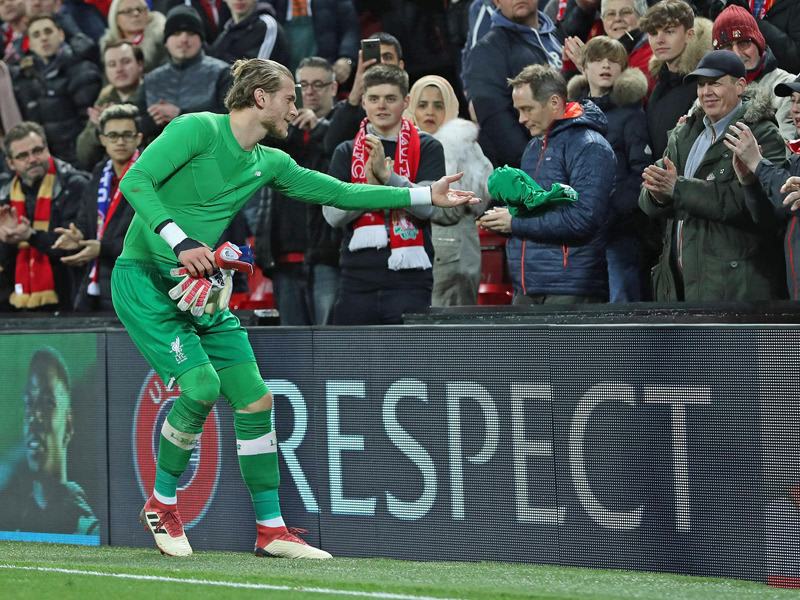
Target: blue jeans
x=324, y=284
x=623, y=254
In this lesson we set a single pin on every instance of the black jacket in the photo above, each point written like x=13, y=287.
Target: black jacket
x=287, y=225
x=57, y=96
x=671, y=98
x=111, y=245
x=627, y=134
x=764, y=199
x=68, y=189
x=257, y=36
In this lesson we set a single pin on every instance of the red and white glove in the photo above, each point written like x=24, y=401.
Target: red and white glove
x=207, y=294
x=202, y=294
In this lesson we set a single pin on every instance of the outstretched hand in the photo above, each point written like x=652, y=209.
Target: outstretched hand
x=443, y=197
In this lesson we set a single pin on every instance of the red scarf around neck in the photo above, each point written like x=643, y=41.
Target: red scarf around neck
x=33, y=275
x=369, y=230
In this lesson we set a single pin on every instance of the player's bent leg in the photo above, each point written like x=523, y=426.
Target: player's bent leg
x=179, y=437
x=257, y=448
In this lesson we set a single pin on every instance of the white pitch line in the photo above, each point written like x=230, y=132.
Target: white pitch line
x=230, y=584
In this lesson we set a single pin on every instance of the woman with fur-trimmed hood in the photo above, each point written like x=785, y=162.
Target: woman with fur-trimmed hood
x=679, y=40
x=618, y=91
x=133, y=21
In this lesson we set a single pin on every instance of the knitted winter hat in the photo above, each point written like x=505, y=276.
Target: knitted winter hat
x=735, y=23
x=526, y=198
x=184, y=18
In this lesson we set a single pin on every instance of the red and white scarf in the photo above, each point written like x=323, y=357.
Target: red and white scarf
x=33, y=276
x=369, y=230
x=106, y=206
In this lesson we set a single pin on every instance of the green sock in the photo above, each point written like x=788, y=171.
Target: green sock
x=258, y=460
x=166, y=483
x=181, y=431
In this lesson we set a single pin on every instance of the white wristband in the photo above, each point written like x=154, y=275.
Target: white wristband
x=172, y=234
x=420, y=196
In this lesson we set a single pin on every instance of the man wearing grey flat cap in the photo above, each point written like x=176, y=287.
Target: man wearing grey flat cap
x=190, y=82
x=713, y=250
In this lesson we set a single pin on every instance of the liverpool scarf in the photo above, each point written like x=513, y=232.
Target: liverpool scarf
x=369, y=230
x=106, y=206
x=33, y=276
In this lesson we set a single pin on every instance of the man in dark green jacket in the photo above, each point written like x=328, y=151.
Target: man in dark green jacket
x=712, y=250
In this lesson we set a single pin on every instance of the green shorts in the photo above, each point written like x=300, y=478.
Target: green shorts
x=171, y=340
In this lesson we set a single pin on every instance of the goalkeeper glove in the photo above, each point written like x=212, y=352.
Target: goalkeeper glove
x=200, y=294
x=231, y=256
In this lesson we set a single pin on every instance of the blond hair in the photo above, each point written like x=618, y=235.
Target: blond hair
x=250, y=75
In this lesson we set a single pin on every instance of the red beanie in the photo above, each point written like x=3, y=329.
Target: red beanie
x=735, y=23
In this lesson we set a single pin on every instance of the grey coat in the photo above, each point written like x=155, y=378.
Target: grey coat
x=457, y=262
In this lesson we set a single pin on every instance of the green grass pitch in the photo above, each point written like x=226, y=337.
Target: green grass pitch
x=32, y=571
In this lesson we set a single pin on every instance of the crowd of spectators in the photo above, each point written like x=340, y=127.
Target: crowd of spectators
x=650, y=146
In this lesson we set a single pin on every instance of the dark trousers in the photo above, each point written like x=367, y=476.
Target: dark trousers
x=378, y=307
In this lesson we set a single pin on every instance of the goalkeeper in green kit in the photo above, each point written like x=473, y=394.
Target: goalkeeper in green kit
x=186, y=187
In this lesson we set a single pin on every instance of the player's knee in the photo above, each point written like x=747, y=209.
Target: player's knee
x=200, y=384
x=261, y=405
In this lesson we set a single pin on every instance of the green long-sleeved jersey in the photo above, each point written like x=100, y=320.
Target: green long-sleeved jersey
x=198, y=175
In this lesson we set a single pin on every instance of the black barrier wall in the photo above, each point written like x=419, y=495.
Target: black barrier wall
x=646, y=448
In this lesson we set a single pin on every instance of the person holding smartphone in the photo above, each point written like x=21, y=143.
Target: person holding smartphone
x=349, y=113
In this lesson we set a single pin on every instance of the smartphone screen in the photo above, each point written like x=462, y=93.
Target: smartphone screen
x=298, y=91
x=371, y=49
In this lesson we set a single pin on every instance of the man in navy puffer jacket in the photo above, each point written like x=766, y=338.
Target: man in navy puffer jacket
x=560, y=256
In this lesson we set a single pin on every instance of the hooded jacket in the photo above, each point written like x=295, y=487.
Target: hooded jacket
x=722, y=255
x=259, y=35
x=627, y=134
x=500, y=55
x=563, y=252
x=671, y=97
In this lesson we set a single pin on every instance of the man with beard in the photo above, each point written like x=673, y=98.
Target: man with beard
x=40, y=498
x=189, y=82
x=43, y=194
x=186, y=188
